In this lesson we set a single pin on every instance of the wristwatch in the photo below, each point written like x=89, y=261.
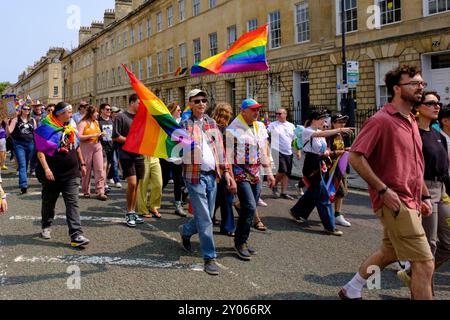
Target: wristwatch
x=83, y=165
x=383, y=191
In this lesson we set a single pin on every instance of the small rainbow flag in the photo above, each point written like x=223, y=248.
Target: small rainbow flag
x=154, y=131
x=248, y=53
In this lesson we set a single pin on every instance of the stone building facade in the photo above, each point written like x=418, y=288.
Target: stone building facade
x=156, y=37
x=43, y=80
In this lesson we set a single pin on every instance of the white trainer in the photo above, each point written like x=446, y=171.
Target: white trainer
x=118, y=185
x=341, y=221
x=261, y=203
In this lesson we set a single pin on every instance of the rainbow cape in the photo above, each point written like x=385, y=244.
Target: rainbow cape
x=154, y=132
x=51, y=136
x=248, y=53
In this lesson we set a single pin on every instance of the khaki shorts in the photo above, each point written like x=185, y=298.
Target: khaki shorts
x=403, y=232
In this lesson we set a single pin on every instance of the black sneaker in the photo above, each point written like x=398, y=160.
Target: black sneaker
x=79, y=241
x=297, y=219
x=211, y=267
x=130, y=220
x=23, y=190
x=185, y=242
x=242, y=252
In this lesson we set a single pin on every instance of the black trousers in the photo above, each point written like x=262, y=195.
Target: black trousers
x=69, y=191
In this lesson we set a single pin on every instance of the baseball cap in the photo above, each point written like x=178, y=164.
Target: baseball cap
x=250, y=103
x=115, y=109
x=196, y=92
x=338, y=117
x=318, y=114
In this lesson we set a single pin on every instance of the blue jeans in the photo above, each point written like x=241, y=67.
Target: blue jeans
x=224, y=200
x=203, y=198
x=113, y=161
x=23, y=152
x=316, y=196
x=248, y=197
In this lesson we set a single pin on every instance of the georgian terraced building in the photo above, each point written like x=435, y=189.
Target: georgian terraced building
x=155, y=38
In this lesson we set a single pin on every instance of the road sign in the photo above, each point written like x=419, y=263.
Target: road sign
x=352, y=73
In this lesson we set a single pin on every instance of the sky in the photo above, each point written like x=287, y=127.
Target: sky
x=29, y=28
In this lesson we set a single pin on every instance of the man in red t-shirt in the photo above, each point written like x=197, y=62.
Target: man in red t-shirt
x=387, y=154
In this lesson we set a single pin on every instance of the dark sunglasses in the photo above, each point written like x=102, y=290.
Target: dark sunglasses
x=26, y=109
x=107, y=109
x=432, y=104
x=200, y=101
x=278, y=113
x=83, y=107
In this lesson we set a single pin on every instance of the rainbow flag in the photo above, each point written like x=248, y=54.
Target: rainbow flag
x=51, y=135
x=248, y=53
x=187, y=113
x=336, y=174
x=154, y=131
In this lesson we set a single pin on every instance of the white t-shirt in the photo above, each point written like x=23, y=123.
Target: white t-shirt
x=208, y=161
x=317, y=145
x=282, y=135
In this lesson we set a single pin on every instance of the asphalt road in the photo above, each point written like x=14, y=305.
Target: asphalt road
x=147, y=262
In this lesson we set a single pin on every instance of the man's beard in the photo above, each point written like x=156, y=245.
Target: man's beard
x=411, y=98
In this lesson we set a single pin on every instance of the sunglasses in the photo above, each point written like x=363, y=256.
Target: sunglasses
x=200, y=101
x=26, y=109
x=107, y=109
x=83, y=107
x=278, y=113
x=432, y=104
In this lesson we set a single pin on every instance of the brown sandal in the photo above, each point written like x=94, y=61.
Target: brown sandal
x=260, y=226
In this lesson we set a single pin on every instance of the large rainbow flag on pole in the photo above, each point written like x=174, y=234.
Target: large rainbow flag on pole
x=248, y=53
x=154, y=131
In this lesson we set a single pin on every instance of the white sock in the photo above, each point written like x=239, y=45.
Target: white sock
x=354, y=287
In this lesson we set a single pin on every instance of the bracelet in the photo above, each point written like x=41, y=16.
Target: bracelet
x=383, y=191
x=426, y=198
x=83, y=165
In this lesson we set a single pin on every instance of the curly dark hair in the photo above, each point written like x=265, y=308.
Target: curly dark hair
x=394, y=76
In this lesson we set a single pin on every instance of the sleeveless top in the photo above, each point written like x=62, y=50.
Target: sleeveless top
x=23, y=132
x=92, y=127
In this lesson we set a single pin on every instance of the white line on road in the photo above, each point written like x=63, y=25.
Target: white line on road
x=83, y=218
x=104, y=260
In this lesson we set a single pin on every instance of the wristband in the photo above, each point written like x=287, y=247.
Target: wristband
x=83, y=165
x=383, y=191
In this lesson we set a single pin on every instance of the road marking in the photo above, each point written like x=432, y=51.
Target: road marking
x=3, y=271
x=104, y=260
x=83, y=218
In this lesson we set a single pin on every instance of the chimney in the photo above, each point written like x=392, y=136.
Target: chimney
x=96, y=27
x=109, y=17
x=137, y=3
x=84, y=34
x=123, y=7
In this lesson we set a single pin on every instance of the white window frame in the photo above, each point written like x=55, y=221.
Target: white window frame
x=251, y=88
x=195, y=8
x=149, y=27
x=271, y=25
x=338, y=18
x=182, y=10
x=170, y=60
x=182, y=55
x=159, y=61
x=159, y=25
x=213, y=47
x=426, y=9
x=231, y=37
x=250, y=26
x=302, y=6
x=274, y=85
x=149, y=67
x=140, y=32
x=170, y=16
x=195, y=52
x=379, y=77
x=377, y=3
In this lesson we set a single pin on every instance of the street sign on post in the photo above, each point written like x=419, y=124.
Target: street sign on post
x=352, y=73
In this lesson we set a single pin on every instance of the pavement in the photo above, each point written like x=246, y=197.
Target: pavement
x=294, y=262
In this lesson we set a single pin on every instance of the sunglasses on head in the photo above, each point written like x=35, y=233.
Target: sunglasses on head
x=198, y=101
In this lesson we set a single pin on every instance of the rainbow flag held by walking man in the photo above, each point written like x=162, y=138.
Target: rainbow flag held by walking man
x=154, y=131
x=248, y=53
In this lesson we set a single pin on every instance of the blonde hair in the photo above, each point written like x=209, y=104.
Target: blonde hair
x=222, y=114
